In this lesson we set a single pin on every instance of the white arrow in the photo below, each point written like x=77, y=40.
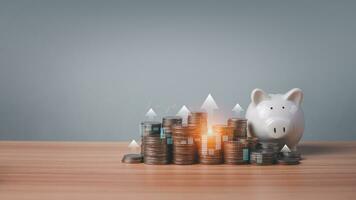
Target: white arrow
x=151, y=114
x=238, y=109
x=209, y=106
x=285, y=149
x=133, y=146
x=184, y=113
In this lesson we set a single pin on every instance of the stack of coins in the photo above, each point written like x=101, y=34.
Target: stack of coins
x=289, y=158
x=261, y=157
x=183, y=145
x=267, y=155
x=226, y=132
x=271, y=147
x=200, y=121
x=236, y=152
x=240, y=127
x=210, y=151
x=132, y=158
x=149, y=128
x=167, y=130
x=155, y=150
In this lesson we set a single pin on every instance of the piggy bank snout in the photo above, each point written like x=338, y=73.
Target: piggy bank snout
x=277, y=128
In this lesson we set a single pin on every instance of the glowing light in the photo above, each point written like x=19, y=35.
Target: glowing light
x=210, y=131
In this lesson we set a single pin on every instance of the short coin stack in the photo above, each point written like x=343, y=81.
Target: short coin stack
x=289, y=158
x=155, y=150
x=210, y=151
x=236, y=152
x=132, y=158
x=239, y=125
x=149, y=128
x=167, y=131
x=183, y=145
x=266, y=156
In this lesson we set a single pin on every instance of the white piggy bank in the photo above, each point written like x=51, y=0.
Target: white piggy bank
x=276, y=118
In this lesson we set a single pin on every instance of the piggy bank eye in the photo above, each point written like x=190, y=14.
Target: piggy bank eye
x=271, y=108
x=283, y=107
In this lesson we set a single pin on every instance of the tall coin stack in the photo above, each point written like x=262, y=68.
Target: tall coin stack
x=183, y=145
x=200, y=121
x=155, y=150
x=240, y=127
x=236, y=152
x=167, y=131
x=210, y=151
x=149, y=128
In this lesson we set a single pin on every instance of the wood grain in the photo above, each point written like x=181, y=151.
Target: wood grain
x=89, y=170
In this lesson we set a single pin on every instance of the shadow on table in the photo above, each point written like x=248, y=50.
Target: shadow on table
x=317, y=149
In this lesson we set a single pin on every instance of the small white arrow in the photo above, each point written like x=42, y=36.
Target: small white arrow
x=184, y=113
x=238, y=109
x=285, y=149
x=209, y=106
x=133, y=146
x=151, y=114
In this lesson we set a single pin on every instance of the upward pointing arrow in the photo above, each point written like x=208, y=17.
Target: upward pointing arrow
x=151, y=114
x=285, y=149
x=238, y=109
x=133, y=146
x=183, y=113
x=209, y=106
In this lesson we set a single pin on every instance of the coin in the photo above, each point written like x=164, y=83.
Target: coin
x=155, y=150
x=236, y=152
x=167, y=131
x=289, y=158
x=263, y=158
x=183, y=144
x=132, y=158
x=199, y=120
x=289, y=161
x=226, y=132
x=210, y=151
x=239, y=125
x=149, y=128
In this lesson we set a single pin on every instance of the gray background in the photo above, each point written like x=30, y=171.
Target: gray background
x=89, y=70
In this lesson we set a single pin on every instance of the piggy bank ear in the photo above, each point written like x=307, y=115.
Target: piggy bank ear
x=295, y=95
x=258, y=95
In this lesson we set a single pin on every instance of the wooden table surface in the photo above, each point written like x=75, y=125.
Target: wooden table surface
x=93, y=170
